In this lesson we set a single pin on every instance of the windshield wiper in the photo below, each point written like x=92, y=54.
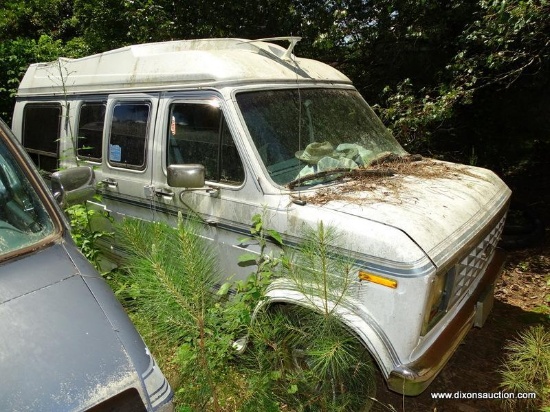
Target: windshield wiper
x=343, y=172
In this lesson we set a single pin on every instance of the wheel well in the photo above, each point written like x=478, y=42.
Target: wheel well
x=272, y=305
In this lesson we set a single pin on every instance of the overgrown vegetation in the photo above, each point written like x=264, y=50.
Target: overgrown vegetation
x=526, y=370
x=525, y=365
x=171, y=275
x=315, y=363
x=299, y=359
x=85, y=235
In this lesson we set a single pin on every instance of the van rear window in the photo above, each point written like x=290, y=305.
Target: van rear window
x=41, y=132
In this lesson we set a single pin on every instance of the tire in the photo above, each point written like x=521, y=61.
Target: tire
x=322, y=366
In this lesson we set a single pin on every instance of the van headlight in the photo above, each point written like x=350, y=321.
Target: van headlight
x=437, y=300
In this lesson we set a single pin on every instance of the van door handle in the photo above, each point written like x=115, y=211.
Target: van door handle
x=110, y=182
x=164, y=193
x=211, y=222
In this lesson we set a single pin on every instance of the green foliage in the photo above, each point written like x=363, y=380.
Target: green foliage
x=308, y=359
x=312, y=361
x=320, y=269
x=31, y=19
x=250, y=291
x=172, y=273
x=83, y=232
x=501, y=54
x=448, y=77
x=108, y=24
x=15, y=56
x=507, y=39
x=413, y=118
x=297, y=359
x=526, y=369
x=30, y=32
x=381, y=43
x=102, y=23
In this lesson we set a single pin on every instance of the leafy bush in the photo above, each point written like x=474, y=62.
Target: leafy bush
x=83, y=232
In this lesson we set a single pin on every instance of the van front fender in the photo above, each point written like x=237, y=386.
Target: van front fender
x=354, y=316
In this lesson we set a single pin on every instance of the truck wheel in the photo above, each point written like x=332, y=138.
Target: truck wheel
x=321, y=365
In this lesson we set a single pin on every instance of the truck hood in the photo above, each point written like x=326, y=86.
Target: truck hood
x=440, y=206
x=58, y=350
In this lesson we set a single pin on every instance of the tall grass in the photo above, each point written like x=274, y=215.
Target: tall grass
x=526, y=369
x=298, y=358
x=315, y=362
x=171, y=276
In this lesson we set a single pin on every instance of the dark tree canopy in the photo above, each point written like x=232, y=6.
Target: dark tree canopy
x=465, y=79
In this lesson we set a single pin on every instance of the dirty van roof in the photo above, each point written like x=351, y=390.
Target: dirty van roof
x=169, y=65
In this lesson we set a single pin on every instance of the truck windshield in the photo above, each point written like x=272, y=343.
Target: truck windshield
x=23, y=218
x=311, y=132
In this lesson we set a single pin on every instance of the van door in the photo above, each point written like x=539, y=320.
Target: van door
x=195, y=130
x=125, y=173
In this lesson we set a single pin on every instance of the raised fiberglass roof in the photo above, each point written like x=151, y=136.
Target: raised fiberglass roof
x=173, y=64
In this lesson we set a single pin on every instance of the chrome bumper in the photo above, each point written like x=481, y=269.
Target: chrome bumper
x=412, y=378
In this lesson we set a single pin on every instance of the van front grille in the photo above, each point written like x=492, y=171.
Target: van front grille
x=472, y=266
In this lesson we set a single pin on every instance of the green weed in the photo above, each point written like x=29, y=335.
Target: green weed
x=83, y=232
x=311, y=361
x=526, y=369
x=297, y=359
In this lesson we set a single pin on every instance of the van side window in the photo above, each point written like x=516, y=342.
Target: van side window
x=90, y=130
x=128, y=137
x=41, y=133
x=198, y=133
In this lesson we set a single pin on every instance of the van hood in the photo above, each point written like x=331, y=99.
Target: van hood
x=58, y=350
x=440, y=206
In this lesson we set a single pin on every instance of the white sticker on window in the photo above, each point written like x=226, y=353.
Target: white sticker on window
x=173, y=126
x=115, y=153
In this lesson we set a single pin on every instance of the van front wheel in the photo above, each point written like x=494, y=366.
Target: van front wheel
x=317, y=362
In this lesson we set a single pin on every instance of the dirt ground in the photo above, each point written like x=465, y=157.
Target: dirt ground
x=521, y=300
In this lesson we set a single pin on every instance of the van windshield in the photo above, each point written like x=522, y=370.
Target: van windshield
x=310, y=132
x=23, y=218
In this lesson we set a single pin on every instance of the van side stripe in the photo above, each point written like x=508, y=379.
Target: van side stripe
x=419, y=268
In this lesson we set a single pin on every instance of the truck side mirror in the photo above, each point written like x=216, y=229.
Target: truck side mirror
x=73, y=185
x=189, y=176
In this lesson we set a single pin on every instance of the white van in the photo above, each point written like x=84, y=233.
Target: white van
x=224, y=129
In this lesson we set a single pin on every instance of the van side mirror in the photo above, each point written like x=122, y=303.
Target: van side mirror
x=73, y=185
x=190, y=176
